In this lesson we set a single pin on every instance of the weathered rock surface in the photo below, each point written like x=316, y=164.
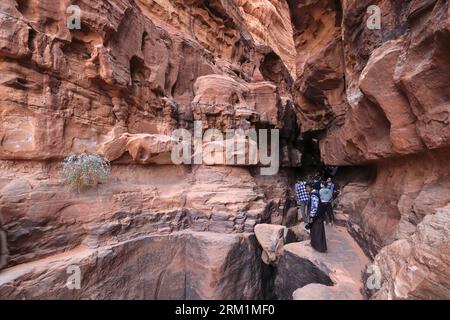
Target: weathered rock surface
x=3, y=248
x=229, y=102
x=380, y=98
x=143, y=148
x=182, y=265
x=404, y=191
x=137, y=70
x=119, y=86
x=106, y=75
x=272, y=239
x=269, y=24
x=298, y=233
x=418, y=267
x=137, y=201
x=279, y=195
x=305, y=274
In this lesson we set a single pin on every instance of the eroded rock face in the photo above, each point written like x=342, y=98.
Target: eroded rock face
x=380, y=97
x=319, y=86
x=137, y=70
x=119, y=86
x=404, y=191
x=140, y=201
x=143, y=148
x=153, y=212
x=389, y=112
x=3, y=249
x=175, y=266
x=417, y=267
x=235, y=104
x=380, y=110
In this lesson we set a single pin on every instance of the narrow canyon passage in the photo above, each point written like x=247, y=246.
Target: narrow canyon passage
x=357, y=85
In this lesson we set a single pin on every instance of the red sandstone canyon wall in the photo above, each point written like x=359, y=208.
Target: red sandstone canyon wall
x=134, y=72
x=380, y=98
x=138, y=69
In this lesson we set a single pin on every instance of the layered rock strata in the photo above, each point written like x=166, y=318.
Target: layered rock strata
x=119, y=86
x=137, y=70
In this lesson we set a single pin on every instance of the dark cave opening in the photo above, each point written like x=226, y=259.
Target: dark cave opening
x=311, y=159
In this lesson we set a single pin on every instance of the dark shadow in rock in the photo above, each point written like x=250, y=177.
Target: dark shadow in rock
x=293, y=272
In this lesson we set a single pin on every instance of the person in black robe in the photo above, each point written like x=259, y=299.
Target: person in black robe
x=316, y=216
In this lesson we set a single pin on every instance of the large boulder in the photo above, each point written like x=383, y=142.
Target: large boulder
x=272, y=239
x=390, y=205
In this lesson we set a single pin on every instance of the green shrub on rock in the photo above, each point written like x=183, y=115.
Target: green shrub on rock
x=85, y=170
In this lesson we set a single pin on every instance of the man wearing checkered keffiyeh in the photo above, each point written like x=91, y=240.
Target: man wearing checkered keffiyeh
x=302, y=200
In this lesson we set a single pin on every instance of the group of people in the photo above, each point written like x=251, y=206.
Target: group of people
x=315, y=206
